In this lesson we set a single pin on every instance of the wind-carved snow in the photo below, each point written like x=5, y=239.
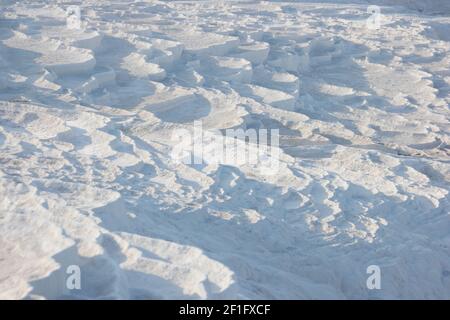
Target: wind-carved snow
x=87, y=118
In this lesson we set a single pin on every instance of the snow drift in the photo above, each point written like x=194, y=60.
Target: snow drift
x=87, y=123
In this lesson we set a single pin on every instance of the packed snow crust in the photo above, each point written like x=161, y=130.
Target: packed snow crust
x=87, y=117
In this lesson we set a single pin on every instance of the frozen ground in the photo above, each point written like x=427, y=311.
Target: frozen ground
x=86, y=176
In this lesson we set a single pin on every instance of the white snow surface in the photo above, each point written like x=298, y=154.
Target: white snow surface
x=86, y=176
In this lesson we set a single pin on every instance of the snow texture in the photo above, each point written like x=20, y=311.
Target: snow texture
x=87, y=178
